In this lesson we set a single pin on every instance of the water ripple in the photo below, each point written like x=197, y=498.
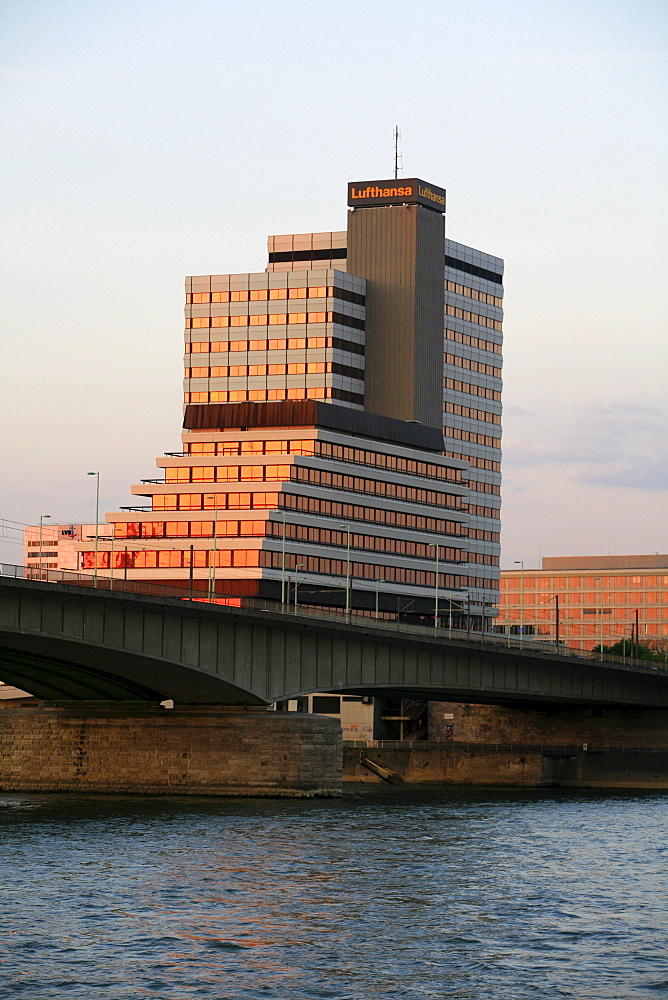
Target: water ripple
x=382, y=895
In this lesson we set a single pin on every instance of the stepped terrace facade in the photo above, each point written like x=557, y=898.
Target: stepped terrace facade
x=342, y=421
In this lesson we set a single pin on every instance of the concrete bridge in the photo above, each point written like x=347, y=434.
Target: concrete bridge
x=66, y=643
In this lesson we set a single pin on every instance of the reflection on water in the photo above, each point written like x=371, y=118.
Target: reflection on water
x=387, y=893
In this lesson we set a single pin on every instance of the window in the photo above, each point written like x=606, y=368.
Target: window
x=326, y=704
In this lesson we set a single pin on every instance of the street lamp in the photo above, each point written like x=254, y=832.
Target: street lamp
x=283, y=566
x=434, y=545
x=297, y=568
x=97, y=520
x=212, y=573
x=41, y=523
x=377, y=582
x=347, y=527
x=600, y=613
x=520, y=562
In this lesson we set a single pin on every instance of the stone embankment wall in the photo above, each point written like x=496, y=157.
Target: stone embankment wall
x=186, y=750
x=452, y=763
x=561, y=726
x=445, y=764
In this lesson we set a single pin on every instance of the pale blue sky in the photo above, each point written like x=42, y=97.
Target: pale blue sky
x=146, y=141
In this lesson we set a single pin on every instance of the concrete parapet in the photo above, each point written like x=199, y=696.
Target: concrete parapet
x=187, y=750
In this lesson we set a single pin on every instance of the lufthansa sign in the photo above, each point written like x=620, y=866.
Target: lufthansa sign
x=369, y=194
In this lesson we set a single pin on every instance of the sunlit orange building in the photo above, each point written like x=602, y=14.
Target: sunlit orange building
x=600, y=599
x=342, y=425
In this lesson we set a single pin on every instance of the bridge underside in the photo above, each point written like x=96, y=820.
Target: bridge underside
x=55, y=669
x=53, y=679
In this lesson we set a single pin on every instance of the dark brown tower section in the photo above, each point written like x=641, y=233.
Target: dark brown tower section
x=400, y=250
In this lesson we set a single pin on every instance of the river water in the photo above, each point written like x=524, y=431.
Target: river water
x=386, y=893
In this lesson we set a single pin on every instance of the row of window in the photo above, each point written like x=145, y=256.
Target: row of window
x=361, y=570
x=309, y=505
x=577, y=582
x=472, y=390
x=277, y=344
x=52, y=543
x=344, y=511
x=374, y=543
x=476, y=463
x=171, y=558
x=324, y=449
x=188, y=529
x=465, y=338
x=298, y=368
x=228, y=474
x=375, y=487
x=472, y=437
x=41, y=554
x=482, y=559
x=238, y=558
x=270, y=294
x=294, y=447
x=484, y=536
x=621, y=597
x=274, y=529
x=379, y=460
x=471, y=317
x=217, y=501
x=624, y=608
x=273, y=319
x=271, y=395
x=467, y=411
x=476, y=510
x=478, y=487
x=473, y=293
x=470, y=365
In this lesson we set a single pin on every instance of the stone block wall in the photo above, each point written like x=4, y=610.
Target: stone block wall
x=188, y=750
x=558, y=725
x=448, y=764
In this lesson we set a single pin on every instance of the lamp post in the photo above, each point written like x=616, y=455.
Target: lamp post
x=283, y=566
x=434, y=545
x=347, y=527
x=212, y=573
x=97, y=520
x=377, y=582
x=41, y=524
x=298, y=566
x=520, y=562
x=600, y=614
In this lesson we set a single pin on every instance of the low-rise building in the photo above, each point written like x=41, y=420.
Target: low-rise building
x=600, y=599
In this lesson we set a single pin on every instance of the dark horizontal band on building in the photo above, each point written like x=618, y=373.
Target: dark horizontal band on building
x=288, y=256
x=312, y=413
x=478, y=272
x=341, y=253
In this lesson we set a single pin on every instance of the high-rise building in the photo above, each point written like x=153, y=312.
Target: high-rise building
x=342, y=424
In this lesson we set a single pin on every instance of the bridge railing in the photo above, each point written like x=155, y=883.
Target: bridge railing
x=548, y=748
x=183, y=593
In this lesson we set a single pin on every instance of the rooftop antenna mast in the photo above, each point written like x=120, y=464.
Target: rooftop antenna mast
x=397, y=154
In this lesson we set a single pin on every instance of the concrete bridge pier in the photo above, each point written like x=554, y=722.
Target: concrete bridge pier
x=138, y=748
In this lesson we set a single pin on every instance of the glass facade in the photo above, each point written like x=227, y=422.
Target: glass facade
x=595, y=604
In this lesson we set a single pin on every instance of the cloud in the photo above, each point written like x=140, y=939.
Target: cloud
x=517, y=411
x=620, y=444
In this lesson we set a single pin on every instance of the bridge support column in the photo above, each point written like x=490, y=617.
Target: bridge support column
x=188, y=750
